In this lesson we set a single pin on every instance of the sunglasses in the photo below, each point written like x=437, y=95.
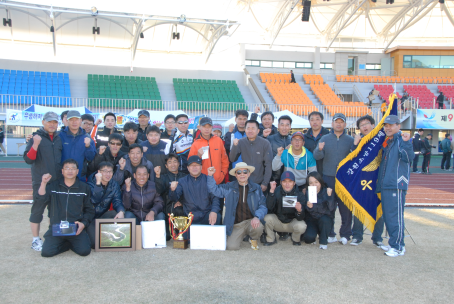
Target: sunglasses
x=115, y=144
x=183, y=122
x=245, y=171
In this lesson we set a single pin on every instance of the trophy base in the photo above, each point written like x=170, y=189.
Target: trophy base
x=177, y=244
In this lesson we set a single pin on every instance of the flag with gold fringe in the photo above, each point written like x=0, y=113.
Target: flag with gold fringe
x=356, y=176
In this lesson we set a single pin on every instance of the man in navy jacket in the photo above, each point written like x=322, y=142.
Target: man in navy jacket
x=392, y=183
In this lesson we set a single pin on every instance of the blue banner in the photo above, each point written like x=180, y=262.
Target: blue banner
x=356, y=177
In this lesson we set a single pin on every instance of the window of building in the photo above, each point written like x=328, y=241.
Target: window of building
x=289, y=65
x=371, y=66
x=428, y=62
x=326, y=66
x=266, y=64
x=255, y=63
x=279, y=64
x=304, y=65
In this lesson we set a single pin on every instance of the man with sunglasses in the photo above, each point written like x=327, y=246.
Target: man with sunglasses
x=182, y=142
x=111, y=154
x=104, y=191
x=245, y=205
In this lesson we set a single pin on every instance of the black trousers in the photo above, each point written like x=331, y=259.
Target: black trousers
x=415, y=162
x=54, y=245
x=446, y=161
x=440, y=105
x=321, y=226
x=426, y=163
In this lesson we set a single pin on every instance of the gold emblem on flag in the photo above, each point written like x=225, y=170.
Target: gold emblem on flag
x=373, y=164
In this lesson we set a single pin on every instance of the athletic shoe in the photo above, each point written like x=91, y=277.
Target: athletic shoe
x=343, y=241
x=449, y=169
x=428, y=173
x=332, y=239
x=382, y=246
x=417, y=172
x=283, y=236
x=355, y=242
x=37, y=245
x=394, y=252
x=270, y=243
x=324, y=247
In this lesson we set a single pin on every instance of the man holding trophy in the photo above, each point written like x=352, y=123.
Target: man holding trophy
x=245, y=205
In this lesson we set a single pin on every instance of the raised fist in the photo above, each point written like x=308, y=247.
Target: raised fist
x=102, y=149
x=321, y=145
x=98, y=121
x=128, y=182
x=46, y=178
x=98, y=177
x=122, y=163
x=36, y=140
x=272, y=186
x=231, y=127
x=405, y=136
x=329, y=191
x=157, y=171
x=158, y=124
x=257, y=109
x=266, y=132
x=87, y=142
x=29, y=136
x=280, y=150
x=144, y=149
x=357, y=139
x=173, y=186
x=235, y=141
x=211, y=171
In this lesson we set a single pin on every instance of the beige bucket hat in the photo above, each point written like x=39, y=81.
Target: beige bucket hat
x=241, y=165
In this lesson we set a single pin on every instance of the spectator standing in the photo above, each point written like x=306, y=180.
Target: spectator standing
x=144, y=123
x=426, y=150
x=169, y=125
x=43, y=153
x=111, y=154
x=131, y=131
x=77, y=144
x=110, y=121
x=292, y=77
x=383, y=107
x=128, y=165
x=440, y=100
x=282, y=139
x=2, y=138
x=417, y=149
x=88, y=124
x=155, y=149
x=64, y=119
x=314, y=134
x=266, y=126
x=447, y=151
x=182, y=141
x=332, y=149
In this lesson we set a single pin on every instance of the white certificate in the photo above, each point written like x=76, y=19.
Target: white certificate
x=208, y=237
x=312, y=194
x=205, y=152
x=289, y=201
x=153, y=234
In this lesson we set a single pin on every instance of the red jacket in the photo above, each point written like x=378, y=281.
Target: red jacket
x=217, y=156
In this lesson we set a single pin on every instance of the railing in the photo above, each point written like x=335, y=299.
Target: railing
x=215, y=110
x=358, y=93
x=336, y=91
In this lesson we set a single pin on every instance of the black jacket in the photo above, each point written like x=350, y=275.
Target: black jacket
x=165, y=135
x=426, y=148
x=142, y=200
x=125, y=146
x=261, y=127
x=417, y=143
x=441, y=98
x=163, y=188
x=310, y=143
x=48, y=157
x=2, y=137
x=325, y=204
x=65, y=203
x=143, y=133
x=101, y=197
x=102, y=137
x=107, y=156
x=285, y=215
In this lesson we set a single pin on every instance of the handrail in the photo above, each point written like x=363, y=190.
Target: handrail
x=336, y=91
x=358, y=93
x=256, y=90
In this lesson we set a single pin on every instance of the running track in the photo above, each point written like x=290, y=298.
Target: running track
x=425, y=190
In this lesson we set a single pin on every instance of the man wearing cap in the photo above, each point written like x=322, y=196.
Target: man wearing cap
x=182, y=141
x=169, y=127
x=255, y=151
x=144, y=123
x=77, y=144
x=245, y=205
x=191, y=193
x=217, y=130
x=297, y=159
x=426, y=151
x=332, y=149
x=43, y=153
x=285, y=219
x=392, y=183
x=102, y=137
x=211, y=150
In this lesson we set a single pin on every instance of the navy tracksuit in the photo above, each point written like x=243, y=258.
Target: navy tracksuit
x=393, y=179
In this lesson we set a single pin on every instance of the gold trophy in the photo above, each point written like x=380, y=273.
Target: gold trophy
x=181, y=223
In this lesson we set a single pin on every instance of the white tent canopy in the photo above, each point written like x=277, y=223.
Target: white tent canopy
x=156, y=116
x=297, y=122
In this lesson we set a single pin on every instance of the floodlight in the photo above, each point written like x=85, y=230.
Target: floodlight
x=94, y=11
x=182, y=19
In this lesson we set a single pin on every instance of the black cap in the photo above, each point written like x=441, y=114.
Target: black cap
x=392, y=119
x=144, y=112
x=194, y=159
x=430, y=134
x=206, y=121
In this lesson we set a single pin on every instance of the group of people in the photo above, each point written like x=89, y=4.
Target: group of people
x=239, y=180
x=422, y=146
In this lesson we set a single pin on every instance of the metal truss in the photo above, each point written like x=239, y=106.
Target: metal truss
x=447, y=12
x=280, y=19
x=341, y=20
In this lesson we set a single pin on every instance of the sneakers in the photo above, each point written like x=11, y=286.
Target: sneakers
x=382, y=246
x=417, y=172
x=332, y=239
x=355, y=242
x=324, y=247
x=270, y=243
x=37, y=244
x=343, y=241
x=254, y=244
x=449, y=170
x=394, y=252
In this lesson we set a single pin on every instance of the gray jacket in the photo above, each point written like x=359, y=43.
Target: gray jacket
x=121, y=175
x=335, y=150
x=255, y=153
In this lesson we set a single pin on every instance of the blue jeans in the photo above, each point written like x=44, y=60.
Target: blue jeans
x=129, y=214
x=358, y=230
x=203, y=221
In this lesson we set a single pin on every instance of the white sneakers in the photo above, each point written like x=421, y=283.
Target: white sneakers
x=37, y=244
x=343, y=241
x=355, y=242
x=394, y=252
x=324, y=247
x=332, y=239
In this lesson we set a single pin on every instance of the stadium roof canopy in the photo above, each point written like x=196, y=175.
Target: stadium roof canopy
x=206, y=24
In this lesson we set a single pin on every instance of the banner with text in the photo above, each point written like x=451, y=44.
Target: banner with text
x=435, y=119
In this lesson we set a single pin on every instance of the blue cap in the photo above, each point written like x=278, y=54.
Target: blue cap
x=289, y=175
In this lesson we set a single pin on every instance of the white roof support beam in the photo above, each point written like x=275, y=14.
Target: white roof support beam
x=280, y=19
x=135, y=40
x=448, y=13
x=340, y=21
x=405, y=20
